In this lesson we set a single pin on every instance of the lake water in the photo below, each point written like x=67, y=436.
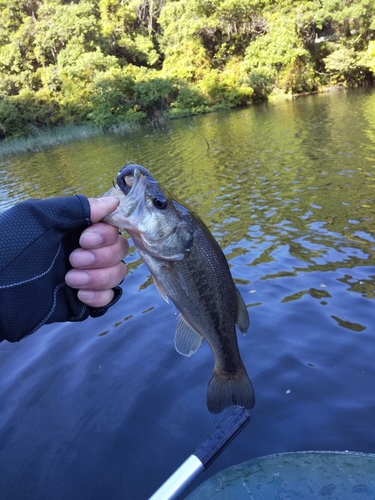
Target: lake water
x=107, y=408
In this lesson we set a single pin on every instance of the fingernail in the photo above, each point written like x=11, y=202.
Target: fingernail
x=90, y=239
x=82, y=258
x=86, y=295
x=77, y=278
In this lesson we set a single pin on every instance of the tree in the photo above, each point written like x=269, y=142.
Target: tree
x=130, y=28
x=277, y=58
x=104, y=61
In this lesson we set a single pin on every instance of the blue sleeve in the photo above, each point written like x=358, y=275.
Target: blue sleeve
x=37, y=237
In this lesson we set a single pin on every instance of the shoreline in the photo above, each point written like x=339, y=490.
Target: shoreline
x=45, y=138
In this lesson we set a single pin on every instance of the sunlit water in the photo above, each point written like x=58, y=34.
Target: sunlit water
x=107, y=408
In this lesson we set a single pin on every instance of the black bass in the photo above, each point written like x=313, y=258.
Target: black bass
x=189, y=268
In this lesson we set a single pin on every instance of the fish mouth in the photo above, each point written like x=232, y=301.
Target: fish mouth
x=134, y=184
x=128, y=180
x=132, y=180
x=131, y=183
x=128, y=177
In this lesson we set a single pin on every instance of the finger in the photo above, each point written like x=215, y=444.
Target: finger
x=98, y=235
x=100, y=257
x=96, y=279
x=96, y=298
x=100, y=207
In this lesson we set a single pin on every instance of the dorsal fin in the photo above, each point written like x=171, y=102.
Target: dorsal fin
x=243, y=320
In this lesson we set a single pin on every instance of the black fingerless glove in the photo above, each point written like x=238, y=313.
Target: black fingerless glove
x=36, y=239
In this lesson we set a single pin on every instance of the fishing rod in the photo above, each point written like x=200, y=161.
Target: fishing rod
x=203, y=456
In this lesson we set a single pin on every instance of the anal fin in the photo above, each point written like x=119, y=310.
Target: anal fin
x=187, y=340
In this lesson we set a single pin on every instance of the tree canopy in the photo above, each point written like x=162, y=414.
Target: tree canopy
x=106, y=61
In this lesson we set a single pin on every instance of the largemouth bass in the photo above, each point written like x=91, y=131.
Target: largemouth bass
x=190, y=269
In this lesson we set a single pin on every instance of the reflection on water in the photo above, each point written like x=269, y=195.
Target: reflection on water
x=288, y=191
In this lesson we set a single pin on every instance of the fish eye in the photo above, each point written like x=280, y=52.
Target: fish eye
x=160, y=204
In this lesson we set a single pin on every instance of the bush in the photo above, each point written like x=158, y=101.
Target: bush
x=271, y=58
x=111, y=99
x=154, y=96
x=225, y=89
x=21, y=115
x=189, y=98
x=11, y=122
x=343, y=66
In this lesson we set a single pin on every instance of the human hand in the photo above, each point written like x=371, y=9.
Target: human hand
x=97, y=265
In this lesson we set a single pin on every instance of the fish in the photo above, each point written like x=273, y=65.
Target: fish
x=189, y=269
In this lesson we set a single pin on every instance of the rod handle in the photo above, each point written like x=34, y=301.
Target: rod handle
x=211, y=448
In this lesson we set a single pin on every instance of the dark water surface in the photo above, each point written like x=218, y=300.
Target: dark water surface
x=107, y=408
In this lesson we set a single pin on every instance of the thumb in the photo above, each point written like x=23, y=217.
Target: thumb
x=100, y=207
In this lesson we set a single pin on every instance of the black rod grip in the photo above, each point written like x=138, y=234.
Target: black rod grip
x=211, y=448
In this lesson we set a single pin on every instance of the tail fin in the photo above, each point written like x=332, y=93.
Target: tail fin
x=231, y=389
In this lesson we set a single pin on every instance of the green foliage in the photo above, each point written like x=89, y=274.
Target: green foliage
x=58, y=25
x=341, y=62
x=111, y=98
x=188, y=62
x=20, y=115
x=224, y=89
x=189, y=100
x=367, y=58
x=153, y=97
x=343, y=30
x=108, y=63
x=275, y=59
x=129, y=28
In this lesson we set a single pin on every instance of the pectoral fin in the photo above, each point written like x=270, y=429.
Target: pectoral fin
x=163, y=269
x=243, y=320
x=186, y=340
x=178, y=277
x=160, y=288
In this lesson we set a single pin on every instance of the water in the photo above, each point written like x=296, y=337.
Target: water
x=107, y=408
